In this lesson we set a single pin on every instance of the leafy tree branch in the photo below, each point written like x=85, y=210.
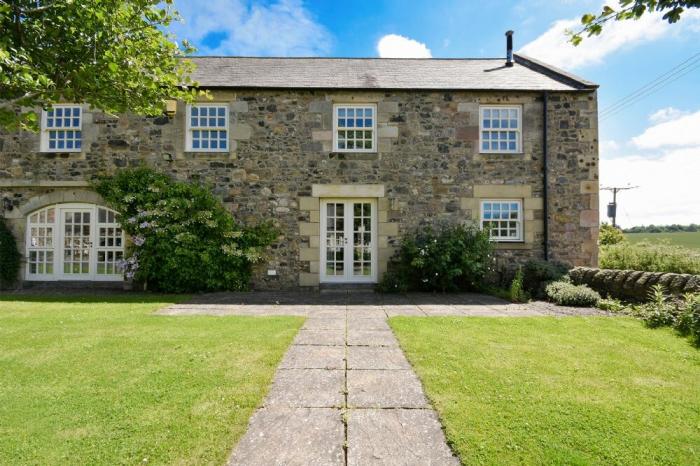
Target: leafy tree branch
x=593, y=24
x=110, y=54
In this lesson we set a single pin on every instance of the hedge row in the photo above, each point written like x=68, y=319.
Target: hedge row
x=634, y=284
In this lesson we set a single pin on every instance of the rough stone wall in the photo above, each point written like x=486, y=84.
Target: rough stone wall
x=634, y=284
x=573, y=178
x=428, y=163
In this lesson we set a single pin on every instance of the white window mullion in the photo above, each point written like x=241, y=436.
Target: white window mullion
x=355, y=128
x=500, y=129
x=207, y=128
x=503, y=219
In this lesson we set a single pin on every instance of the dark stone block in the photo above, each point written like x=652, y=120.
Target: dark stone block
x=117, y=144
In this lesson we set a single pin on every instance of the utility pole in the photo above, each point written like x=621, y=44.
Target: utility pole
x=612, y=207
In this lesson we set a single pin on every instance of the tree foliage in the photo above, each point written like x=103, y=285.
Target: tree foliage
x=111, y=54
x=592, y=23
x=610, y=235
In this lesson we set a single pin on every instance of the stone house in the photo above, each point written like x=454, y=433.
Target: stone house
x=346, y=155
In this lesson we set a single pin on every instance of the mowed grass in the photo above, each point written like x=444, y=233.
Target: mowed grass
x=558, y=390
x=86, y=381
x=688, y=239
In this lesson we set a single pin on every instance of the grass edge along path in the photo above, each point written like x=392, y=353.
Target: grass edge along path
x=545, y=390
x=100, y=380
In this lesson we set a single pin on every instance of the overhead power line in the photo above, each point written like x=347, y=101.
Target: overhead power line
x=686, y=66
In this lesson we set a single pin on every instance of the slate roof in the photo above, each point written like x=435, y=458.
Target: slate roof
x=526, y=74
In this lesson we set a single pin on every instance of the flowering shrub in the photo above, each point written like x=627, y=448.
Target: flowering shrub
x=454, y=258
x=182, y=238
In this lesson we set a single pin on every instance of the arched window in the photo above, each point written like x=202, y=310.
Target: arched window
x=74, y=242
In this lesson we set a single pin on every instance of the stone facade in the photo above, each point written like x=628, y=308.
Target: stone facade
x=428, y=168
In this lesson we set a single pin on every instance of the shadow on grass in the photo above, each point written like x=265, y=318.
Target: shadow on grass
x=90, y=296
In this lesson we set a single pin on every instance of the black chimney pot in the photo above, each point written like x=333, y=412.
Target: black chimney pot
x=509, y=48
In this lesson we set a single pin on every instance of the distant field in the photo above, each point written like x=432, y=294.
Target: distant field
x=683, y=238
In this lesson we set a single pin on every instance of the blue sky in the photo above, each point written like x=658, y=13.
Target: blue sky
x=650, y=143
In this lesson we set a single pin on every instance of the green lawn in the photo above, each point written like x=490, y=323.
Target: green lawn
x=558, y=390
x=682, y=238
x=93, y=382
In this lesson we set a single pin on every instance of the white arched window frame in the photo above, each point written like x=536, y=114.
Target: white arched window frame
x=74, y=242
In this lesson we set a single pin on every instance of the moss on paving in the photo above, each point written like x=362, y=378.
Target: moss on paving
x=558, y=390
x=100, y=380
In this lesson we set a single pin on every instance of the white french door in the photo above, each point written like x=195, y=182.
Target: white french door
x=348, y=241
x=74, y=242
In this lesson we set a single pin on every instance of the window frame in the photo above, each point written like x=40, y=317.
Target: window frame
x=519, y=130
x=44, y=136
x=520, y=221
x=337, y=106
x=189, y=128
x=58, y=243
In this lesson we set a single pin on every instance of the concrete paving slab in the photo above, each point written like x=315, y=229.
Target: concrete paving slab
x=403, y=310
x=396, y=437
x=292, y=436
x=366, y=312
x=326, y=312
x=439, y=310
x=324, y=323
x=385, y=389
x=371, y=338
x=307, y=388
x=367, y=324
x=320, y=337
x=314, y=357
x=375, y=357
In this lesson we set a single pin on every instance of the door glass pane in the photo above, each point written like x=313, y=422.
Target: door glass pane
x=362, y=239
x=334, y=236
x=77, y=246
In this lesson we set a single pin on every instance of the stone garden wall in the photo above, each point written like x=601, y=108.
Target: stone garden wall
x=633, y=284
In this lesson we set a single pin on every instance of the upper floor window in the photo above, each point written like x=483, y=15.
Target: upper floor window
x=500, y=129
x=354, y=127
x=502, y=219
x=61, y=128
x=207, y=128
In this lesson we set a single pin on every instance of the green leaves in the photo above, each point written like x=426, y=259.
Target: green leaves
x=111, y=54
x=593, y=24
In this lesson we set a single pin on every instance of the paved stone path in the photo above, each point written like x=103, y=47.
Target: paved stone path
x=344, y=393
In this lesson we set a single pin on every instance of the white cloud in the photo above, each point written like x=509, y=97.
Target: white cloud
x=665, y=172
x=680, y=132
x=396, y=46
x=553, y=46
x=281, y=28
x=666, y=114
x=667, y=191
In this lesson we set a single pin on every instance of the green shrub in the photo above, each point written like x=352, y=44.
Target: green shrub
x=681, y=314
x=567, y=294
x=9, y=255
x=517, y=292
x=612, y=305
x=538, y=273
x=183, y=240
x=452, y=258
x=610, y=235
x=648, y=257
